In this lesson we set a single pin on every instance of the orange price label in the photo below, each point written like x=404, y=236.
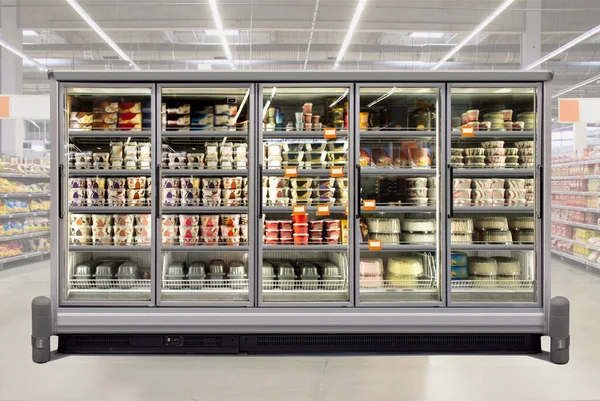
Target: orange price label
x=346, y=209
x=329, y=133
x=337, y=172
x=290, y=171
x=467, y=130
x=299, y=209
x=369, y=204
x=323, y=210
x=374, y=245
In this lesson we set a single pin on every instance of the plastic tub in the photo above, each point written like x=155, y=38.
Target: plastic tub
x=170, y=196
x=300, y=239
x=189, y=183
x=330, y=224
x=286, y=235
x=122, y=241
x=138, y=182
x=80, y=231
x=316, y=234
x=209, y=241
x=96, y=183
x=230, y=231
x=271, y=224
x=300, y=218
x=301, y=182
x=301, y=228
x=78, y=196
x=278, y=182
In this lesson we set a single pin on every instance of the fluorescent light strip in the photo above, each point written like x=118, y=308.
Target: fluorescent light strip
x=564, y=47
x=266, y=108
x=579, y=85
x=339, y=99
x=426, y=35
x=374, y=102
x=505, y=4
x=312, y=31
x=25, y=57
x=221, y=31
x=85, y=16
x=359, y=9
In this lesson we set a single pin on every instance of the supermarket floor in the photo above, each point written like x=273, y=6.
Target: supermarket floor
x=344, y=378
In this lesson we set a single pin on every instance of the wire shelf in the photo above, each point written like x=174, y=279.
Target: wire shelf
x=205, y=285
x=427, y=284
x=492, y=285
x=305, y=285
x=109, y=285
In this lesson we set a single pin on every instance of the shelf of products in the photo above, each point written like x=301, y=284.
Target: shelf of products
x=22, y=256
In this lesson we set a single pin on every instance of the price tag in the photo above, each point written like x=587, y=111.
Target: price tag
x=369, y=204
x=346, y=209
x=337, y=172
x=299, y=209
x=467, y=130
x=329, y=133
x=290, y=171
x=323, y=210
x=374, y=245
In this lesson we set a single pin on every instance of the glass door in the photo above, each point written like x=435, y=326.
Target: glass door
x=493, y=227
x=106, y=200
x=206, y=180
x=398, y=209
x=304, y=198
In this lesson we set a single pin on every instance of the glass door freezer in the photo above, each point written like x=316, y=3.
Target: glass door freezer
x=245, y=203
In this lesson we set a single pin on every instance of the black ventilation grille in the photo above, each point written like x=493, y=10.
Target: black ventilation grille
x=298, y=344
x=399, y=343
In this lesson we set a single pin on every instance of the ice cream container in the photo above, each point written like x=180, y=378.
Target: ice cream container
x=192, y=220
x=300, y=239
x=137, y=182
x=78, y=196
x=230, y=219
x=96, y=197
x=300, y=228
x=285, y=224
x=300, y=218
x=170, y=196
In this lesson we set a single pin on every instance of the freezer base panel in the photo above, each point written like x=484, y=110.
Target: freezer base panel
x=299, y=343
x=96, y=320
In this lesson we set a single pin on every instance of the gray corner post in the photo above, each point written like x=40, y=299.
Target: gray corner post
x=559, y=330
x=41, y=329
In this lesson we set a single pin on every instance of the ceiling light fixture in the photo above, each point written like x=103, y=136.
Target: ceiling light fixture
x=221, y=31
x=578, y=85
x=85, y=16
x=228, y=32
x=427, y=34
x=505, y=4
x=359, y=9
x=25, y=57
x=30, y=32
x=564, y=47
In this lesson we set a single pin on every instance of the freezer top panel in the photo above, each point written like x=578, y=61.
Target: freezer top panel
x=313, y=76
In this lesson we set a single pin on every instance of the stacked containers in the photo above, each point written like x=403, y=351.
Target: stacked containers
x=226, y=153
x=273, y=156
x=417, y=192
x=78, y=191
x=116, y=191
x=136, y=191
x=96, y=191
x=102, y=229
x=278, y=232
x=143, y=229
x=130, y=150
x=276, y=191
x=170, y=191
x=224, y=117
x=371, y=273
x=461, y=231
x=116, y=155
x=518, y=193
x=105, y=115
x=190, y=191
x=301, y=190
x=488, y=192
x=458, y=266
x=130, y=116
x=211, y=150
x=526, y=153
x=240, y=152
x=384, y=229
x=123, y=229
x=234, y=229
x=176, y=117
x=170, y=229
x=80, y=229
x=300, y=227
x=203, y=119
x=188, y=230
x=144, y=155
x=324, y=190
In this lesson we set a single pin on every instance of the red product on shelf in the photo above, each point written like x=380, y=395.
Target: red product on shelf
x=285, y=224
x=300, y=218
x=271, y=234
x=316, y=225
x=271, y=224
x=300, y=239
x=301, y=228
x=286, y=234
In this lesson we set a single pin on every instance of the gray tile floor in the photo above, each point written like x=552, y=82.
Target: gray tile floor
x=297, y=378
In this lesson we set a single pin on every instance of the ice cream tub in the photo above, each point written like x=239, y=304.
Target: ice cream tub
x=78, y=196
x=190, y=220
x=116, y=183
x=96, y=197
x=79, y=220
x=101, y=220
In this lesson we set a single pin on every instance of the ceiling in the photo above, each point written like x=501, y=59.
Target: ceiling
x=275, y=35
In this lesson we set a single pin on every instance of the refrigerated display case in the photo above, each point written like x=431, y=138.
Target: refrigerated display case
x=253, y=211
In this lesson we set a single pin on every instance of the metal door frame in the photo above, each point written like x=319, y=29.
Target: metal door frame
x=440, y=144
x=351, y=192
x=62, y=239
x=539, y=161
x=251, y=268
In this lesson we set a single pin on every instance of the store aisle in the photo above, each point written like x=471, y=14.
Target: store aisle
x=296, y=378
